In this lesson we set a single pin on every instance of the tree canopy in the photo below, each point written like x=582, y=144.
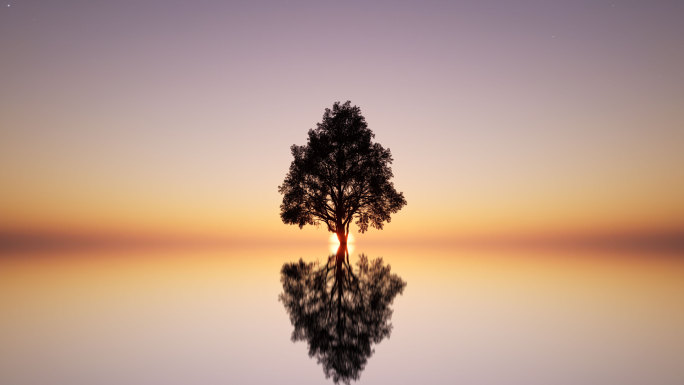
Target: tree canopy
x=340, y=175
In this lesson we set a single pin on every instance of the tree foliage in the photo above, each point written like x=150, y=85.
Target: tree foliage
x=340, y=175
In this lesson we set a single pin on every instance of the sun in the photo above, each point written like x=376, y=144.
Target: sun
x=335, y=243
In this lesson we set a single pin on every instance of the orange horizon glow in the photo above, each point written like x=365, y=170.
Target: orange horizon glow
x=659, y=240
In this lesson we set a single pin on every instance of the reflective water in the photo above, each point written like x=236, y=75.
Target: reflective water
x=214, y=317
x=340, y=311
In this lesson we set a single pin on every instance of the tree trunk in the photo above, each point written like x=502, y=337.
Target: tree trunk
x=342, y=237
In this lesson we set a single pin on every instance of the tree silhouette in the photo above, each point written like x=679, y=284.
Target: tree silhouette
x=339, y=175
x=341, y=314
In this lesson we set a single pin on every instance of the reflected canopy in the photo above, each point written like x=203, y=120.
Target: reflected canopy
x=341, y=312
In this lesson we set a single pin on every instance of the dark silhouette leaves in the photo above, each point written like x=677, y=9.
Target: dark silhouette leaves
x=340, y=175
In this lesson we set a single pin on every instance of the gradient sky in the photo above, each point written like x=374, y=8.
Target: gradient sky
x=505, y=119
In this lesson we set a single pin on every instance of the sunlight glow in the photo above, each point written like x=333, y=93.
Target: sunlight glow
x=335, y=243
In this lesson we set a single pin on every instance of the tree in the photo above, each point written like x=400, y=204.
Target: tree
x=340, y=175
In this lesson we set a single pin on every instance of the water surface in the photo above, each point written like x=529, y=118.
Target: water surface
x=465, y=316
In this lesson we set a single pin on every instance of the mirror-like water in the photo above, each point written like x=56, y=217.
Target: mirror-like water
x=341, y=311
x=214, y=317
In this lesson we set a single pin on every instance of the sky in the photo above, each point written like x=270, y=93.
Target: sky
x=162, y=120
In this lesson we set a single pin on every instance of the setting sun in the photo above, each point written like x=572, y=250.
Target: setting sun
x=335, y=243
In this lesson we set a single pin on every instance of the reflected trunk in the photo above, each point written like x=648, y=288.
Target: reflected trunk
x=342, y=253
x=339, y=273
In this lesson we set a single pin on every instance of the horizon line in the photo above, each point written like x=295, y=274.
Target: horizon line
x=12, y=241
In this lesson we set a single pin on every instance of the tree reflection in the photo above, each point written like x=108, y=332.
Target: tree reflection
x=338, y=311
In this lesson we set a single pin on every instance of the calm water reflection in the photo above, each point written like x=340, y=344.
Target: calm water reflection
x=477, y=317
x=340, y=311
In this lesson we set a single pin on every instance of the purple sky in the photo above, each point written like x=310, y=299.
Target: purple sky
x=501, y=116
